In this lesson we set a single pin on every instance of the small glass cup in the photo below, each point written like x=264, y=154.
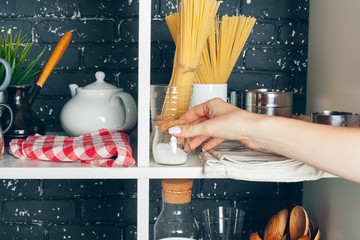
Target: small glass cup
x=169, y=100
x=223, y=223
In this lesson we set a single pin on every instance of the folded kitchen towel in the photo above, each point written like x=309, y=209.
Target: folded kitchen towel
x=247, y=164
x=102, y=148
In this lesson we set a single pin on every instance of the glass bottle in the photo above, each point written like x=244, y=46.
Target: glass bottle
x=176, y=221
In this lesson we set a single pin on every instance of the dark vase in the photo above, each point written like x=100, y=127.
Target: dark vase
x=26, y=123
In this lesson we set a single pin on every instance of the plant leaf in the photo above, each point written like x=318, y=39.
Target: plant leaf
x=14, y=49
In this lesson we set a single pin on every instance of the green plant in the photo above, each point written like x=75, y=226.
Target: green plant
x=14, y=50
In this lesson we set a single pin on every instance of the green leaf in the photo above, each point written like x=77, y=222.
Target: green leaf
x=14, y=49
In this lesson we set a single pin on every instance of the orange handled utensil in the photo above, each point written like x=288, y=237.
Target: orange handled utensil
x=50, y=65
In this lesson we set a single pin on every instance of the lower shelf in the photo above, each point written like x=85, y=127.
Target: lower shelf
x=13, y=168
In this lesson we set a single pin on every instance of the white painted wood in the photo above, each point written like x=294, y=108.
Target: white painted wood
x=12, y=167
x=144, y=82
x=143, y=186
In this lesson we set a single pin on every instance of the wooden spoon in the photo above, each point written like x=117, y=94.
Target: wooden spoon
x=311, y=228
x=317, y=234
x=275, y=227
x=304, y=238
x=298, y=223
x=50, y=65
x=254, y=236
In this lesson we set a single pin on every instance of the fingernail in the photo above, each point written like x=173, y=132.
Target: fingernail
x=174, y=130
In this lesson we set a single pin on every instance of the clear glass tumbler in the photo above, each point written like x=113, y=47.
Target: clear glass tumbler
x=167, y=104
x=223, y=223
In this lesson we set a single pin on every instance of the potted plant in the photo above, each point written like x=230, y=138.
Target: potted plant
x=15, y=49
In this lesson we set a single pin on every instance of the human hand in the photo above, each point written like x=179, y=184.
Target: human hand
x=215, y=120
x=293, y=138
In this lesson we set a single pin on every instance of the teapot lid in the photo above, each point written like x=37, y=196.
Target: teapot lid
x=99, y=84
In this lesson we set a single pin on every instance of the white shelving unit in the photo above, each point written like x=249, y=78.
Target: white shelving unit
x=146, y=169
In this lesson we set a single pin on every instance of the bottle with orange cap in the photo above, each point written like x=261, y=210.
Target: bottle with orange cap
x=176, y=221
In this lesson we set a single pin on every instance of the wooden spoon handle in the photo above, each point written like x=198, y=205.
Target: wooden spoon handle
x=55, y=57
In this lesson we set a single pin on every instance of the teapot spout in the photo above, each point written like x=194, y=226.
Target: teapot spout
x=73, y=88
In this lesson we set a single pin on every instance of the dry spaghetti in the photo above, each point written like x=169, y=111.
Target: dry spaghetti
x=222, y=48
x=190, y=27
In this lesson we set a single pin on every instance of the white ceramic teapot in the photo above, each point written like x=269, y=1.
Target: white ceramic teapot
x=96, y=106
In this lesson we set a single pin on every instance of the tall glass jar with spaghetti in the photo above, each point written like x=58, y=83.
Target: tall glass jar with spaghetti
x=176, y=221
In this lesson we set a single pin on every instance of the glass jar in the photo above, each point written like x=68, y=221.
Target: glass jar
x=167, y=100
x=166, y=148
x=176, y=221
x=167, y=104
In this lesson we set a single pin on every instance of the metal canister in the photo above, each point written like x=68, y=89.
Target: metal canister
x=273, y=102
x=336, y=118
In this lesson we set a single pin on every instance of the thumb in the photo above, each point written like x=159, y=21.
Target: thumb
x=187, y=131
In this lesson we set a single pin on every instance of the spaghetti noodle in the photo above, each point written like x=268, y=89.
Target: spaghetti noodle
x=190, y=28
x=222, y=48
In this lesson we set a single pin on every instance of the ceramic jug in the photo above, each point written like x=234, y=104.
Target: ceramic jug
x=3, y=97
x=6, y=81
x=9, y=124
x=96, y=106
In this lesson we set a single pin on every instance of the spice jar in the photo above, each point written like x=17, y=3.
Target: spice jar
x=166, y=148
x=176, y=220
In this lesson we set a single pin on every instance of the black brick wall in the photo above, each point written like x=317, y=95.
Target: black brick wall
x=106, y=209
x=105, y=38
x=67, y=209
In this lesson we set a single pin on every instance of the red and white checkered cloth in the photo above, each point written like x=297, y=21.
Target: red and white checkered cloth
x=102, y=148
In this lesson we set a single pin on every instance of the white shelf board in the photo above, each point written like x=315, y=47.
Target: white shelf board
x=13, y=168
x=191, y=169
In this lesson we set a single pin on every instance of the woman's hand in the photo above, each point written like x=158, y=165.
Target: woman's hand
x=332, y=149
x=217, y=120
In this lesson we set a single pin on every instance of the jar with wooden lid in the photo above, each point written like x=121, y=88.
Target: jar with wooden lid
x=176, y=221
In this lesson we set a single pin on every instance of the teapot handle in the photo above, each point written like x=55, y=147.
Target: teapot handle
x=11, y=117
x=130, y=110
